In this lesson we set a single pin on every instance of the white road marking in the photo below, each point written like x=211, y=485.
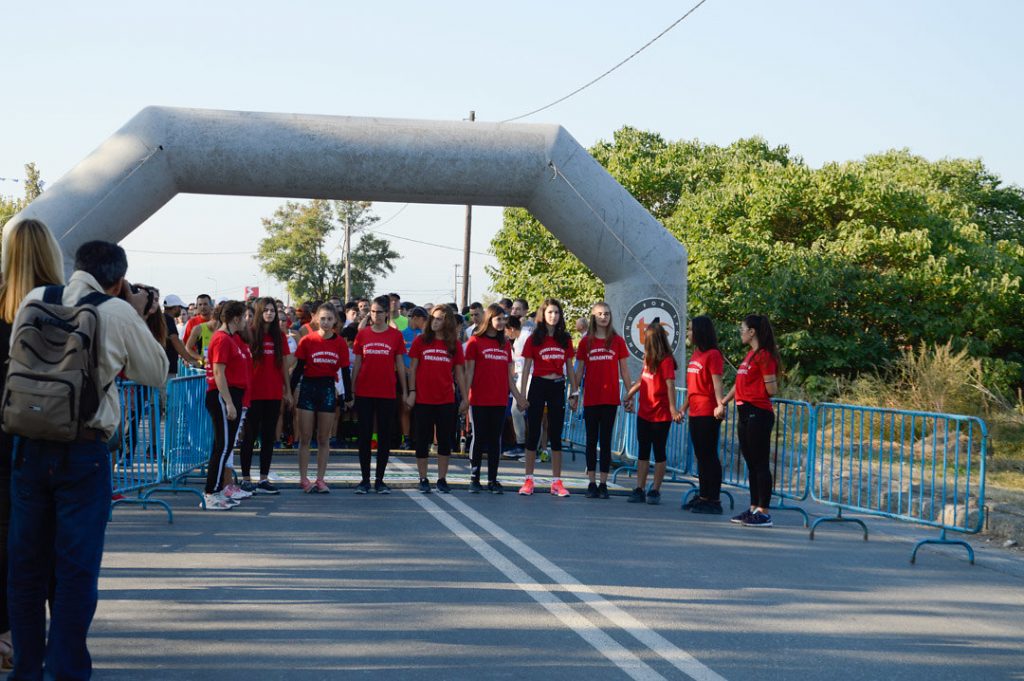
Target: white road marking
x=587, y=630
x=680, y=659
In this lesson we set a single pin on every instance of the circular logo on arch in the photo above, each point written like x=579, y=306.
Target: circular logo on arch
x=640, y=317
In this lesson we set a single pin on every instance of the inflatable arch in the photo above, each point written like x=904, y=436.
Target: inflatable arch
x=165, y=151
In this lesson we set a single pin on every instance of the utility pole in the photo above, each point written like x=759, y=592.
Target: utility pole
x=455, y=283
x=465, y=247
x=348, y=264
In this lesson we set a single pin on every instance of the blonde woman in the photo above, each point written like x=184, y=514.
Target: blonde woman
x=31, y=258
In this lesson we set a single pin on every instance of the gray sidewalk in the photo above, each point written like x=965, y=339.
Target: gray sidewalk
x=409, y=587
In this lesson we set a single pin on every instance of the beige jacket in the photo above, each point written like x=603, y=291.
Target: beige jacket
x=125, y=344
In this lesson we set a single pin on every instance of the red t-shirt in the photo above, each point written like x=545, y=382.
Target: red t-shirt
x=601, y=382
x=267, y=377
x=549, y=358
x=490, y=373
x=434, y=371
x=654, y=397
x=322, y=356
x=376, y=376
x=750, y=388
x=699, y=386
x=233, y=353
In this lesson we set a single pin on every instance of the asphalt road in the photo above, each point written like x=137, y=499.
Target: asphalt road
x=503, y=587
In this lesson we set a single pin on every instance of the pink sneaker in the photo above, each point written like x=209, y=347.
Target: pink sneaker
x=322, y=488
x=306, y=485
x=527, y=488
x=558, y=489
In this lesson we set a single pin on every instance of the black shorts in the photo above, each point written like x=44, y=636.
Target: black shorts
x=317, y=394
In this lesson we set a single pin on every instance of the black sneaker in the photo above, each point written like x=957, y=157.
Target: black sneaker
x=474, y=486
x=424, y=486
x=602, y=491
x=442, y=486
x=708, y=508
x=380, y=487
x=265, y=487
x=693, y=503
x=249, y=486
x=758, y=520
x=637, y=497
x=494, y=487
x=741, y=518
x=363, y=487
x=654, y=497
x=591, y=491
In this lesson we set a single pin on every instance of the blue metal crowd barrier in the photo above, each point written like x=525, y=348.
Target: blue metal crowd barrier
x=907, y=465
x=188, y=434
x=137, y=451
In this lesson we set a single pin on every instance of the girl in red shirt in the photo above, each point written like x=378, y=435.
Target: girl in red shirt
x=435, y=356
x=703, y=394
x=226, y=383
x=548, y=355
x=491, y=377
x=319, y=357
x=657, y=388
x=755, y=384
x=603, y=360
x=378, y=357
x=271, y=364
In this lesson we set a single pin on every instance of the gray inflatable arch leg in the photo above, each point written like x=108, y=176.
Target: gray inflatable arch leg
x=165, y=151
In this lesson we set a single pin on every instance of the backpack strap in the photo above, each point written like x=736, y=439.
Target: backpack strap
x=53, y=295
x=95, y=299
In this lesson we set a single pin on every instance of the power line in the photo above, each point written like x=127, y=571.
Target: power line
x=609, y=71
x=133, y=250
x=427, y=243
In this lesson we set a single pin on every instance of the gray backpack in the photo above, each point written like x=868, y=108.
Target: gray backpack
x=52, y=383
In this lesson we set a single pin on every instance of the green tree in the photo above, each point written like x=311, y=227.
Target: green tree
x=853, y=261
x=302, y=249
x=33, y=182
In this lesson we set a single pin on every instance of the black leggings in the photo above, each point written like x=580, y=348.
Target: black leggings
x=754, y=431
x=545, y=391
x=487, y=426
x=260, y=420
x=428, y=417
x=652, y=434
x=224, y=432
x=704, y=431
x=381, y=409
x=600, y=420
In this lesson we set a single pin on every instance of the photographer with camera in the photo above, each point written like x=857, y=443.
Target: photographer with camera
x=61, y=482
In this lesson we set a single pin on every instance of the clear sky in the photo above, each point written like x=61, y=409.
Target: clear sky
x=833, y=80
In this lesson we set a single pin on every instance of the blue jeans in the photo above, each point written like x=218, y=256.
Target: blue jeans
x=60, y=501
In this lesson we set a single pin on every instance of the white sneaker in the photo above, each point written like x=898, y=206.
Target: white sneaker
x=236, y=492
x=216, y=502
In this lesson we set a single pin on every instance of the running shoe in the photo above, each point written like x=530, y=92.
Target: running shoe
x=545, y=456
x=236, y=492
x=494, y=487
x=265, y=487
x=638, y=496
x=591, y=491
x=474, y=486
x=708, y=508
x=654, y=497
x=306, y=485
x=363, y=487
x=424, y=486
x=442, y=486
x=602, y=491
x=694, y=501
x=558, y=489
x=380, y=487
x=758, y=520
x=248, y=486
x=527, y=488
x=322, y=488
x=741, y=518
x=215, y=502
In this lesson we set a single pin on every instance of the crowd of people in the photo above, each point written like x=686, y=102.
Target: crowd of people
x=381, y=373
